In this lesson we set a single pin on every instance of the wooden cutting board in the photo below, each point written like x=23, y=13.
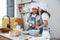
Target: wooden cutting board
x=4, y=38
x=5, y=30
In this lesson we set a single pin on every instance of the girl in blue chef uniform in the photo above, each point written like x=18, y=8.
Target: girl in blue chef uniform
x=33, y=18
x=44, y=18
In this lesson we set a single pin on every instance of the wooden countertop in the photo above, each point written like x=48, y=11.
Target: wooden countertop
x=4, y=30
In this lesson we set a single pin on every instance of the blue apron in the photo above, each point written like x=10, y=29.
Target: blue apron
x=44, y=28
x=34, y=20
x=41, y=22
x=31, y=20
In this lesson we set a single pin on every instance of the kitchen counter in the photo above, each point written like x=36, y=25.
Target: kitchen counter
x=23, y=37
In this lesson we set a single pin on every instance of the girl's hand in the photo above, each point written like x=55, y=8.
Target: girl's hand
x=37, y=27
x=29, y=24
x=33, y=25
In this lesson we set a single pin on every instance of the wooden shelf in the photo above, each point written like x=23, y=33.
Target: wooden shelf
x=23, y=3
x=25, y=12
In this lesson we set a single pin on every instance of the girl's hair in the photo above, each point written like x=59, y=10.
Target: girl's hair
x=37, y=12
x=42, y=11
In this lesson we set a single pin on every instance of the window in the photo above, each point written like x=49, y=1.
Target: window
x=3, y=9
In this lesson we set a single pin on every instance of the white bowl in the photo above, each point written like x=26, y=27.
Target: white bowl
x=33, y=32
x=25, y=32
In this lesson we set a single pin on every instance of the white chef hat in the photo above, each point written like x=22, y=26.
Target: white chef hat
x=33, y=5
x=43, y=6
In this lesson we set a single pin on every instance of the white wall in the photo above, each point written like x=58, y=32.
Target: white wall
x=17, y=13
x=54, y=9
x=3, y=10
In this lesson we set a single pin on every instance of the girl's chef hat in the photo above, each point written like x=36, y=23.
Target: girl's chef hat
x=43, y=6
x=33, y=5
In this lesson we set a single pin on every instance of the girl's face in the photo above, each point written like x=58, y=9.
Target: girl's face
x=34, y=10
x=40, y=10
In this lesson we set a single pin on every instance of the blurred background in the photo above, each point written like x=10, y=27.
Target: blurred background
x=10, y=7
